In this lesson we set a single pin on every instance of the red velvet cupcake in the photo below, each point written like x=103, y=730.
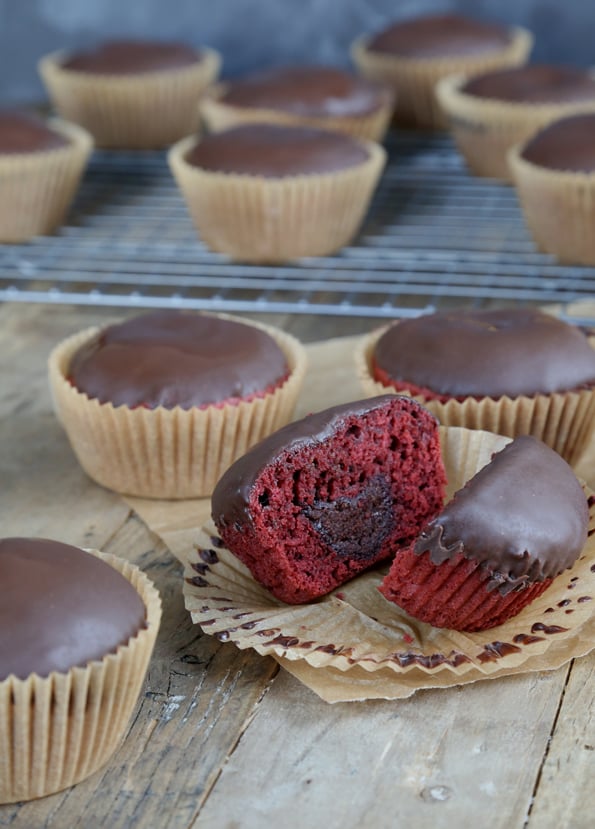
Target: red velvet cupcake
x=327, y=497
x=516, y=525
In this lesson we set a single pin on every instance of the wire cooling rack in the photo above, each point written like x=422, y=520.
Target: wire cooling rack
x=434, y=235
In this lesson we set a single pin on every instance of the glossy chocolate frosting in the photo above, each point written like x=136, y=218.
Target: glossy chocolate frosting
x=524, y=515
x=487, y=353
x=23, y=132
x=308, y=91
x=174, y=358
x=131, y=57
x=536, y=84
x=230, y=499
x=444, y=35
x=60, y=608
x=274, y=151
x=568, y=144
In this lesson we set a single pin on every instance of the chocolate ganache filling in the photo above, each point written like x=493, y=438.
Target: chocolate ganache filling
x=131, y=57
x=23, y=132
x=565, y=145
x=524, y=516
x=61, y=608
x=174, y=358
x=487, y=353
x=536, y=84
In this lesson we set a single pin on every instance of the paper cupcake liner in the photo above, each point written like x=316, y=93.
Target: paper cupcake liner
x=37, y=188
x=355, y=627
x=414, y=79
x=486, y=129
x=168, y=453
x=252, y=218
x=559, y=209
x=219, y=115
x=565, y=421
x=147, y=110
x=59, y=729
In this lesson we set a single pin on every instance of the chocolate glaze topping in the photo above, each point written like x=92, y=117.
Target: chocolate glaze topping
x=173, y=358
x=487, y=353
x=131, y=57
x=23, y=132
x=437, y=36
x=537, y=84
x=524, y=515
x=567, y=144
x=309, y=91
x=274, y=151
x=230, y=499
x=60, y=608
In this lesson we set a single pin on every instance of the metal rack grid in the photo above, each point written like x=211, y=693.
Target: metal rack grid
x=435, y=235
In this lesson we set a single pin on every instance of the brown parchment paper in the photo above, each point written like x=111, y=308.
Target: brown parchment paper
x=336, y=676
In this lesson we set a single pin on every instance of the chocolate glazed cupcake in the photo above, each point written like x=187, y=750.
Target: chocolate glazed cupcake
x=41, y=165
x=131, y=94
x=268, y=193
x=411, y=56
x=312, y=96
x=510, y=371
x=554, y=173
x=490, y=113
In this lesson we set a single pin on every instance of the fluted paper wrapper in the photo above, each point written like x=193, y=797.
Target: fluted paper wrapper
x=146, y=110
x=559, y=209
x=414, y=79
x=219, y=115
x=565, y=421
x=59, y=729
x=38, y=188
x=486, y=129
x=354, y=629
x=168, y=453
x=256, y=219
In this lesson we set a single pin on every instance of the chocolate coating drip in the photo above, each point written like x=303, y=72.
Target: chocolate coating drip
x=172, y=358
x=131, y=57
x=487, y=353
x=23, y=132
x=437, y=36
x=524, y=515
x=537, y=84
x=273, y=151
x=307, y=91
x=567, y=144
x=60, y=608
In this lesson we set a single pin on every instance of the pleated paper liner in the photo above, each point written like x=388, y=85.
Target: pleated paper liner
x=559, y=209
x=146, y=110
x=59, y=729
x=256, y=219
x=219, y=115
x=355, y=627
x=414, y=79
x=485, y=129
x=36, y=189
x=168, y=453
x=565, y=421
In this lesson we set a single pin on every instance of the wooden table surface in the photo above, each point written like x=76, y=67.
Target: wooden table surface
x=225, y=738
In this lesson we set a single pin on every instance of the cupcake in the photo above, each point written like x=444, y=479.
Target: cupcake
x=511, y=371
x=312, y=96
x=76, y=633
x=490, y=113
x=131, y=94
x=554, y=173
x=411, y=56
x=516, y=525
x=160, y=405
x=325, y=498
x=268, y=193
x=41, y=164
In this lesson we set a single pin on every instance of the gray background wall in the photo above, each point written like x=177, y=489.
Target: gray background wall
x=258, y=33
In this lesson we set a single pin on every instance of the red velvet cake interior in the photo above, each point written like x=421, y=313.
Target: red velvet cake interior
x=327, y=497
